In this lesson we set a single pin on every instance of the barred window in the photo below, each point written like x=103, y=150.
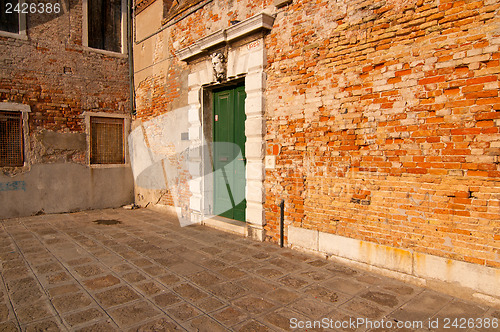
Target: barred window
x=106, y=140
x=11, y=139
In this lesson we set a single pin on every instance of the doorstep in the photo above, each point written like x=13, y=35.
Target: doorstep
x=226, y=224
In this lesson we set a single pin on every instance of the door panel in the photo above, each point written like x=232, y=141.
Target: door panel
x=229, y=153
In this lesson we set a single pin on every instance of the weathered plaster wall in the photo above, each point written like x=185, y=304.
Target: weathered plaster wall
x=53, y=73
x=64, y=187
x=384, y=121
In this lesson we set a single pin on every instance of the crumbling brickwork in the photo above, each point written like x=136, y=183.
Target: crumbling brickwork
x=50, y=70
x=59, y=78
x=384, y=117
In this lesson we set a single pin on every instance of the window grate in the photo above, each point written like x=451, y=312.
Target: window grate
x=106, y=141
x=11, y=139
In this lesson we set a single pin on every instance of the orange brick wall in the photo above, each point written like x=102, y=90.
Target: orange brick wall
x=384, y=118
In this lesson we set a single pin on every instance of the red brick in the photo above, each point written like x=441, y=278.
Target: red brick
x=430, y=80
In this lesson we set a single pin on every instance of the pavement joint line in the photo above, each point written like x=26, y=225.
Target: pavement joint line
x=75, y=279
x=122, y=280
x=36, y=278
x=11, y=305
x=204, y=312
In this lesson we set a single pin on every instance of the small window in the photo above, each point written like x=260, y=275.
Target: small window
x=106, y=140
x=11, y=139
x=104, y=20
x=9, y=16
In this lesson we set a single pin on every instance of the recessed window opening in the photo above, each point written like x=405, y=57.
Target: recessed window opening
x=106, y=141
x=105, y=24
x=11, y=139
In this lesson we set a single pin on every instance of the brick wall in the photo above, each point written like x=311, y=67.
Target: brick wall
x=60, y=79
x=384, y=118
x=166, y=88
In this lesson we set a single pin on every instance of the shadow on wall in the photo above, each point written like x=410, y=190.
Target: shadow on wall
x=162, y=157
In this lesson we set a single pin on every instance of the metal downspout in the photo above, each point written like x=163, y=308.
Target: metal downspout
x=131, y=56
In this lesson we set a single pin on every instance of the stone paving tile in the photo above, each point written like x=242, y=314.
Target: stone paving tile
x=84, y=316
x=34, y=311
x=70, y=302
x=229, y=316
x=49, y=325
x=312, y=308
x=254, y=305
x=204, y=324
x=252, y=326
x=365, y=308
x=210, y=304
x=183, y=311
x=420, y=307
x=257, y=285
x=161, y=324
x=8, y=327
x=166, y=299
x=66, y=273
x=228, y=290
x=99, y=327
x=327, y=295
x=116, y=296
x=130, y=314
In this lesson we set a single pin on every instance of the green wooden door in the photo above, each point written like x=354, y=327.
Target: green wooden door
x=229, y=159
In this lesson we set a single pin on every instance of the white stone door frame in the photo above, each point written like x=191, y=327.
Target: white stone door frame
x=246, y=57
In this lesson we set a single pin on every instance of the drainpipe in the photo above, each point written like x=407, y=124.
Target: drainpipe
x=131, y=56
x=282, y=222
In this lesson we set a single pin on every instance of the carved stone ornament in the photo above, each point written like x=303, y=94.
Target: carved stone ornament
x=219, y=65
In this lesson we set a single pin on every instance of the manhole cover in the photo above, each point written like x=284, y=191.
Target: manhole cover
x=107, y=221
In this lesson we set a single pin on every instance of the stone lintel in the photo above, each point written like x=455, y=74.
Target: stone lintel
x=249, y=26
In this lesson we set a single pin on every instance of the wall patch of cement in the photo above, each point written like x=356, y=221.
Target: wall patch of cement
x=63, y=187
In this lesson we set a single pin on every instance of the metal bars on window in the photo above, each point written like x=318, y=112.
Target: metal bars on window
x=11, y=139
x=106, y=141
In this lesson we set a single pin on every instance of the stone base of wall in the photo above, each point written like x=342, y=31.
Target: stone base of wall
x=255, y=232
x=446, y=275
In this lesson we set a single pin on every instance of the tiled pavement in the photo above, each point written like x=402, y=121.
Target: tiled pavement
x=67, y=272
